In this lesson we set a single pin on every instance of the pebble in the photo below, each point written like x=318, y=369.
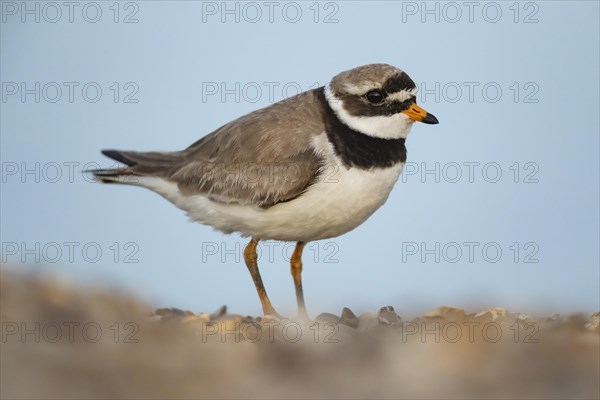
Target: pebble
x=171, y=312
x=452, y=314
x=369, y=324
x=219, y=313
x=367, y=320
x=328, y=317
x=349, y=318
x=387, y=316
x=594, y=322
x=495, y=313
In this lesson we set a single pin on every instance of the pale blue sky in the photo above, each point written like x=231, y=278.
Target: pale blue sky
x=179, y=53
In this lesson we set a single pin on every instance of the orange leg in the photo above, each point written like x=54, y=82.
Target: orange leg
x=296, y=263
x=251, y=259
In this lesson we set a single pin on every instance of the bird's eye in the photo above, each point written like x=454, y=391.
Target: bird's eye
x=375, y=96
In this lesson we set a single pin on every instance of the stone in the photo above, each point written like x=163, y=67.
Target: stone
x=594, y=323
x=495, y=313
x=328, y=317
x=387, y=316
x=367, y=320
x=219, y=313
x=450, y=314
x=203, y=316
x=349, y=318
x=170, y=312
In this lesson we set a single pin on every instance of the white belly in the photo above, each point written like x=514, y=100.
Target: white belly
x=340, y=201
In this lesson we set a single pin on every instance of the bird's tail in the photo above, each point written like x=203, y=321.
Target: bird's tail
x=115, y=175
x=138, y=164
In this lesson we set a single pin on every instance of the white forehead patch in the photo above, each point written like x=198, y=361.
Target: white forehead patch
x=403, y=95
x=361, y=89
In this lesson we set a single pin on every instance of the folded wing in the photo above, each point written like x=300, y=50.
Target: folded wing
x=263, y=158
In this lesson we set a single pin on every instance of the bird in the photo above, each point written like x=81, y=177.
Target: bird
x=312, y=166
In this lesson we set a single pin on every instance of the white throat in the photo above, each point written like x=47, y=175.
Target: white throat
x=396, y=126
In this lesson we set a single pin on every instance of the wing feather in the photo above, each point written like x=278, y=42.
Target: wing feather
x=263, y=158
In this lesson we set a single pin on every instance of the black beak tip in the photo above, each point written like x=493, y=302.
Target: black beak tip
x=430, y=119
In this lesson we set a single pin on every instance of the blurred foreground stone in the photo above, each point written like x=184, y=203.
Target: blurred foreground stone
x=60, y=342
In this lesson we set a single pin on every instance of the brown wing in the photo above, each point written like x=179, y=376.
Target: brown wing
x=262, y=158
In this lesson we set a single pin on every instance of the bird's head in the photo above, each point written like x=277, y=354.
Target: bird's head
x=378, y=100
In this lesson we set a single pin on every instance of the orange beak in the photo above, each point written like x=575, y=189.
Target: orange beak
x=416, y=113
